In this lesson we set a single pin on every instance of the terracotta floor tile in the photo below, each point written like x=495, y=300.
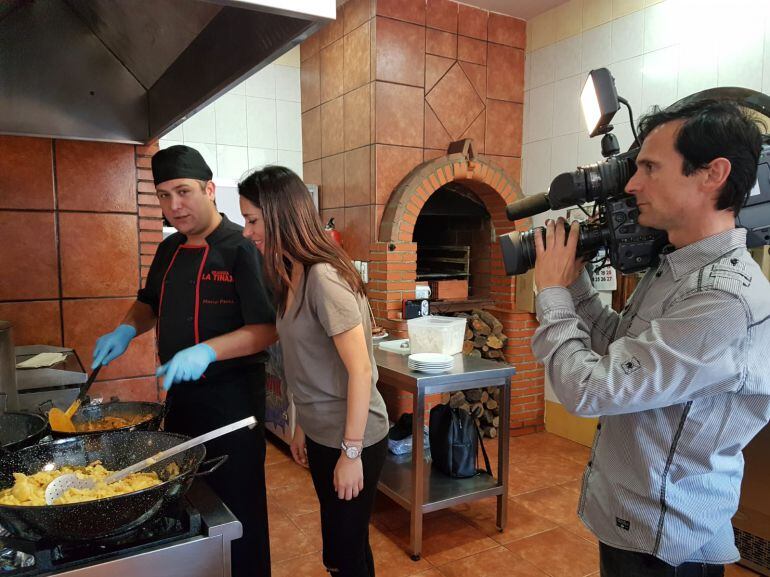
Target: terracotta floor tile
x=556, y=504
x=736, y=570
x=547, y=444
x=577, y=527
x=276, y=454
x=558, y=553
x=310, y=525
x=310, y=565
x=297, y=499
x=575, y=485
x=521, y=521
x=542, y=471
x=499, y=562
x=391, y=558
x=447, y=538
x=286, y=473
x=287, y=540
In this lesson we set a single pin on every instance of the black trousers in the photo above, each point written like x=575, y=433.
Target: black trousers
x=621, y=563
x=345, y=524
x=197, y=407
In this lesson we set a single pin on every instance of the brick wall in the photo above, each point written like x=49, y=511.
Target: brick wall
x=76, y=237
x=385, y=89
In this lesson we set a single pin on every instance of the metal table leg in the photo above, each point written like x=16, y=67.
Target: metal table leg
x=502, y=455
x=418, y=472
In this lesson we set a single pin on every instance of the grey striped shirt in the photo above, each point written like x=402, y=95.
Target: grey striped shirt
x=680, y=380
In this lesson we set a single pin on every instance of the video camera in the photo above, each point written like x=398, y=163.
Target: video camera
x=628, y=246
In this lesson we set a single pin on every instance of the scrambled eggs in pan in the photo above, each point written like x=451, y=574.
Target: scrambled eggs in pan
x=30, y=489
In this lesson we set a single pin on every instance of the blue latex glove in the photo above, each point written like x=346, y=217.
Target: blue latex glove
x=187, y=365
x=110, y=346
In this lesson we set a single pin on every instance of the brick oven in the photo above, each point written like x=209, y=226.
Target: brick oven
x=412, y=122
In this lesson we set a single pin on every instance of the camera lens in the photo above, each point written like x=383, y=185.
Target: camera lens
x=518, y=248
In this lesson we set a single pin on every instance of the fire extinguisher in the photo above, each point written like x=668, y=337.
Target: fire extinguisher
x=332, y=231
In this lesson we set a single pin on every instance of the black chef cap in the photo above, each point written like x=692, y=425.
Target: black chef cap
x=179, y=161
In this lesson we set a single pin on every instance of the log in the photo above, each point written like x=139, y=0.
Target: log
x=473, y=395
x=495, y=421
x=465, y=407
x=467, y=347
x=484, y=397
x=494, y=343
x=479, y=341
x=495, y=355
x=475, y=353
x=491, y=404
x=491, y=432
x=468, y=334
x=456, y=399
x=490, y=319
x=487, y=416
x=477, y=410
x=480, y=327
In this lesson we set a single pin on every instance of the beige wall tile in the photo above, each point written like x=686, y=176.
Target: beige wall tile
x=622, y=8
x=568, y=19
x=651, y=2
x=596, y=13
x=529, y=36
x=543, y=31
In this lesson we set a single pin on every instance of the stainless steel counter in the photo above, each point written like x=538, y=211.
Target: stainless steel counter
x=409, y=481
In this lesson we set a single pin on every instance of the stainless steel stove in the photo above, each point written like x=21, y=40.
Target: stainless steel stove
x=191, y=542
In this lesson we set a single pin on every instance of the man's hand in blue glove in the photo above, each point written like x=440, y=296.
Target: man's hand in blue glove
x=187, y=365
x=112, y=345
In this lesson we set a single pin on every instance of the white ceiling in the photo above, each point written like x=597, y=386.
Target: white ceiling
x=524, y=9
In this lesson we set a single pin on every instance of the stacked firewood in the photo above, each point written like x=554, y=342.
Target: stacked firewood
x=483, y=338
x=483, y=404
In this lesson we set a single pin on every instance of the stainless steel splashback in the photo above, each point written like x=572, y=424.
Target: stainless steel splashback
x=8, y=398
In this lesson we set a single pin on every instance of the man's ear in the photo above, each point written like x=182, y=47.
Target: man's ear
x=716, y=173
x=211, y=190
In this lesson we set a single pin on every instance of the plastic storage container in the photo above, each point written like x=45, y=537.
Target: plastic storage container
x=436, y=334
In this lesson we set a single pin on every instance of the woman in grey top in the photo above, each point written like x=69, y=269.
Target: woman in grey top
x=325, y=333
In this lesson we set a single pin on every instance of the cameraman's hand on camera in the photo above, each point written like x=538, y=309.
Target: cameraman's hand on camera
x=557, y=263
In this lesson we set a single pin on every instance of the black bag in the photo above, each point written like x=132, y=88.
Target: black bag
x=454, y=442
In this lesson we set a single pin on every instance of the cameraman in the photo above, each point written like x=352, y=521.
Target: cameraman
x=679, y=378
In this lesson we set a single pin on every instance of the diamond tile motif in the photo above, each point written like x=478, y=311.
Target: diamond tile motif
x=455, y=101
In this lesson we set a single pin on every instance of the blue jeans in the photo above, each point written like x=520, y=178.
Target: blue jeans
x=621, y=563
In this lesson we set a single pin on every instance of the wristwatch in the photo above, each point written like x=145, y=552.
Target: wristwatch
x=351, y=451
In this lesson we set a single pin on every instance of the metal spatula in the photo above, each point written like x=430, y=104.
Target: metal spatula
x=58, y=486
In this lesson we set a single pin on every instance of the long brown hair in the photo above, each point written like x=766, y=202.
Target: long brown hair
x=293, y=228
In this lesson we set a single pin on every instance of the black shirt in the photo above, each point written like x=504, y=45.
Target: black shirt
x=201, y=292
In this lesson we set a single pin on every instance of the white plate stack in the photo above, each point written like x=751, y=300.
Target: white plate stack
x=432, y=363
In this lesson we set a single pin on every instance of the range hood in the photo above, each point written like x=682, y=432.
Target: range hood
x=131, y=70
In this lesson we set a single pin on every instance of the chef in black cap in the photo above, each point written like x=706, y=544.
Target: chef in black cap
x=206, y=300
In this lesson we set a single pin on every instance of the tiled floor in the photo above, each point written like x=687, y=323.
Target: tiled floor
x=543, y=538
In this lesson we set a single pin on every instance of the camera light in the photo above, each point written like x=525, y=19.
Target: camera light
x=599, y=101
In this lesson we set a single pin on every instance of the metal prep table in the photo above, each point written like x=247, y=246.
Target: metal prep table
x=409, y=481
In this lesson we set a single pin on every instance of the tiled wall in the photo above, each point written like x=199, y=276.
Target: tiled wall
x=70, y=227
x=256, y=123
x=658, y=52
x=389, y=84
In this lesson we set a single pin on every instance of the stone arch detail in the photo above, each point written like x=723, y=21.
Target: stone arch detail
x=490, y=182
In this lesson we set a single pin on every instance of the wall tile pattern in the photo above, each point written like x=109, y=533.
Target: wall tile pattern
x=79, y=223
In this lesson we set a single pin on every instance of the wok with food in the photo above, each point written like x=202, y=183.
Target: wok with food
x=115, y=416
x=107, y=515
